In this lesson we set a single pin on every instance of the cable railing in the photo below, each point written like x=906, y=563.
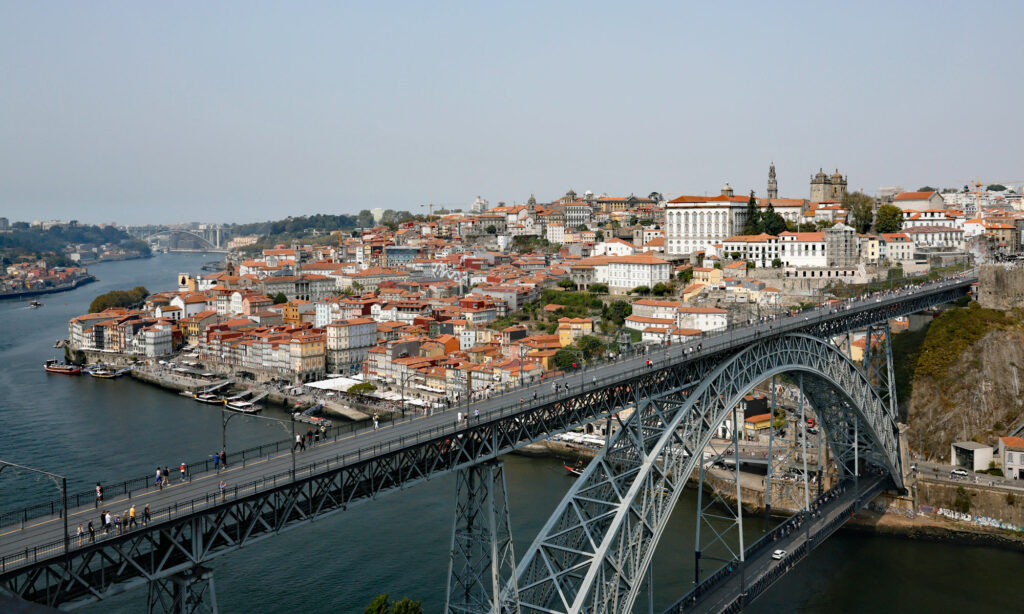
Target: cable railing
x=714, y=343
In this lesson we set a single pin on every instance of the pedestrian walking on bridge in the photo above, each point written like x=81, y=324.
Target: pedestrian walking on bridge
x=145, y=515
x=92, y=533
x=216, y=461
x=131, y=516
x=223, y=459
x=222, y=486
x=182, y=468
x=159, y=479
x=99, y=495
x=167, y=475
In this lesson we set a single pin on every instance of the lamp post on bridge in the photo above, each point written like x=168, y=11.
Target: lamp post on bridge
x=62, y=486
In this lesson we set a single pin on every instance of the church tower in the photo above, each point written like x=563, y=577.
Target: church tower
x=773, y=185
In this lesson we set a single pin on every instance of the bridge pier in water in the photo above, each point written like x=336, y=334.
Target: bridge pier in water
x=481, y=569
x=187, y=592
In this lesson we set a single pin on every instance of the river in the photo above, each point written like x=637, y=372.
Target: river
x=90, y=429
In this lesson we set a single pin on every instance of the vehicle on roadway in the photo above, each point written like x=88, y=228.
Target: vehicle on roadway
x=959, y=474
x=778, y=554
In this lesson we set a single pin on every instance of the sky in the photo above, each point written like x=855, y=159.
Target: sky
x=141, y=112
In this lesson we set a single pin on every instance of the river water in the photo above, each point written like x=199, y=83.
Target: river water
x=90, y=429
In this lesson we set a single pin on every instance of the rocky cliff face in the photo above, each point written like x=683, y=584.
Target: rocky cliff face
x=1000, y=288
x=978, y=397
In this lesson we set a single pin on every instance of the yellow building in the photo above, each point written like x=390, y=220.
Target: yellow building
x=571, y=329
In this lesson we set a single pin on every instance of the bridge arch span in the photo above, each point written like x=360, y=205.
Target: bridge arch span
x=593, y=552
x=167, y=233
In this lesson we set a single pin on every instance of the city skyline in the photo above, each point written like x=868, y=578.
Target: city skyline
x=139, y=114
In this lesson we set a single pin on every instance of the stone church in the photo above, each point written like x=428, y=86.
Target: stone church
x=824, y=187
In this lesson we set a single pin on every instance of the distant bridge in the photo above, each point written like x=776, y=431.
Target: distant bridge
x=596, y=549
x=212, y=237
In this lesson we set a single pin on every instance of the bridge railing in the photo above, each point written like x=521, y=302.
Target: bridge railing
x=714, y=343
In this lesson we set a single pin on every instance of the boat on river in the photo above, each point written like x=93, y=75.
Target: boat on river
x=577, y=470
x=52, y=366
x=35, y=304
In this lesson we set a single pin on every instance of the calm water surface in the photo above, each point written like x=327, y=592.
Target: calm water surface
x=90, y=429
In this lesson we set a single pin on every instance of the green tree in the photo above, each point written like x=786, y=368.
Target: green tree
x=642, y=290
x=996, y=187
x=599, y=236
x=617, y=312
x=279, y=298
x=926, y=188
x=753, y=225
x=491, y=229
x=776, y=263
x=119, y=298
x=685, y=276
x=563, y=359
x=962, y=503
x=633, y=220
x=381, y=605
x=861, y=208
x=566, y=283
x=599, y=288
x=582, y=227
x=591, y=346
x=889, y=219
x=660, y=289
x=771, y=222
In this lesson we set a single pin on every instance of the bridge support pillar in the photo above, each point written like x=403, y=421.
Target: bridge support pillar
x=188, y=592
x=482, y=561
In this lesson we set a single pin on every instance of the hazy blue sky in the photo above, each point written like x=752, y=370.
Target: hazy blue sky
x=175, y=111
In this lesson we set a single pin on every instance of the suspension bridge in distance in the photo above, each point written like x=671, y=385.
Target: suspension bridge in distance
x=595, y=551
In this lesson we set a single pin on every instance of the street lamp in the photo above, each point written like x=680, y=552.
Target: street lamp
x=226, y=417
x=62, y=486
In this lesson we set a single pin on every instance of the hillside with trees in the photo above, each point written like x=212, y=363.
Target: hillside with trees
x=119, y=298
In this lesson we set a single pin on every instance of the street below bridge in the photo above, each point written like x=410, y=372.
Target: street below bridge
x=796, y=538
x=43, y=537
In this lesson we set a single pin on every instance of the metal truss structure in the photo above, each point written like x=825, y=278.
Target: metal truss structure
x=187, y=592
x=594, y=550
x=481, y=544
x=612, y=517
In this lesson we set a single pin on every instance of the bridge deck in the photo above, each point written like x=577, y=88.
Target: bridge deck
x=43, y=539
x=730, y=590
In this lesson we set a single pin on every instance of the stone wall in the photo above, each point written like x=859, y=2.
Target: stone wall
x=1001, y=503
x=1000, y=288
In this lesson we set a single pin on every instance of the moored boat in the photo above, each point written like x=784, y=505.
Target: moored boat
x=103, y=373
x=244, y=407
x=209, y=398
x=52, y=366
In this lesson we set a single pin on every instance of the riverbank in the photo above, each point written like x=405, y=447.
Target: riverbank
x=81, y=281
x=178, y=382
x=891, y=523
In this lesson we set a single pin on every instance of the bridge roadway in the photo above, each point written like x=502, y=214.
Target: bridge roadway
x=42, y=539
x=738, y=584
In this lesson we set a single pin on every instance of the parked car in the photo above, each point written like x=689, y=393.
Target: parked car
x=959, y=474
x=778, y=554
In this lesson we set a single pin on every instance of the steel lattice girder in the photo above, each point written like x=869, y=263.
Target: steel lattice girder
x=594, y=549
x=482, y=560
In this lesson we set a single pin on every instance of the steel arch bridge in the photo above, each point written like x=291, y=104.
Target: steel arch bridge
x=595, y=549
x=199, y=237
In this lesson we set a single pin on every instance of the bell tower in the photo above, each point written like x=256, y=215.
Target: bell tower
x=773, y=185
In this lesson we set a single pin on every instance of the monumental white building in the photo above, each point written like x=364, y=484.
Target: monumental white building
x=697, y=222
